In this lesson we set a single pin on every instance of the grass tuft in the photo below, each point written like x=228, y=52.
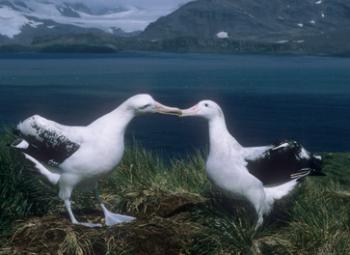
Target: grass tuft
x=22, y=193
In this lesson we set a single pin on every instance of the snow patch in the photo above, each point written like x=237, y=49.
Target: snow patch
x=323, y=15
x=282, y=41
x=130, y=19
x=222, y=35
x=34, y=24
x=318, y=2
x=50, y=27
x=11, y=22
x=300, y=41
x=312, y=22
x=300, y=25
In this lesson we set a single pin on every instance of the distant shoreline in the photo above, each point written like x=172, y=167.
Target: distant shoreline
x=5, y=51
x=176, y=45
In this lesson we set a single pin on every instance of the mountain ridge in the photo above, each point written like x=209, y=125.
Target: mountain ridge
x=317, y=27
x=268, y=21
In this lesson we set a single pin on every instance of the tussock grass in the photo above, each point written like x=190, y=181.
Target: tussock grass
x=22, y=193
x=177, y=210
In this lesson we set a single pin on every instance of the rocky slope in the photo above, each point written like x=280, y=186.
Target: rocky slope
x=317, y=24
x=272, y=20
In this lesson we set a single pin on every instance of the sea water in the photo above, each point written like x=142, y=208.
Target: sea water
x=264, y=98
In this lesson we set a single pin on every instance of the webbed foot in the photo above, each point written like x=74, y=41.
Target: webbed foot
x=89, y=224
x=114, y=218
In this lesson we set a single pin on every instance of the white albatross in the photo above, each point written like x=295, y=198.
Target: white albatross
x=82, y=155
x=260, y=175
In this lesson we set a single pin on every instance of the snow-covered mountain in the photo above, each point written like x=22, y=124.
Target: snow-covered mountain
x=276, y=21
x=23, y=16
x=286, y=26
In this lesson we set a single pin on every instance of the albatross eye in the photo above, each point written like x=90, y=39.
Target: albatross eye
x=145, y=106
x=206, y=105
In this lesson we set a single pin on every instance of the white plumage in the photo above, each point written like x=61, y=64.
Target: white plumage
x=260, y=175
x=82, y=155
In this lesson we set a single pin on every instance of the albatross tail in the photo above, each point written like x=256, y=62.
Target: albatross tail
x=20, y=144
x=277, y=192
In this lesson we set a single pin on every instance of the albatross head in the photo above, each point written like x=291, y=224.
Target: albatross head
x=144, y=103
x=207, y=109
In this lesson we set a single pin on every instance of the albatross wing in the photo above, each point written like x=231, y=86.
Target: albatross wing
x=46, y=140
x=283, y=162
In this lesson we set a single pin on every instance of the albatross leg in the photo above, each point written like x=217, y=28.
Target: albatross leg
x=112, y=218
x=259, y=221
x=66, y=183
x=260, y=215
x=258, y=200
x=51, y=177
x=67, y=203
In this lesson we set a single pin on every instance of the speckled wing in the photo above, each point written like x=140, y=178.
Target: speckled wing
x=48, y=141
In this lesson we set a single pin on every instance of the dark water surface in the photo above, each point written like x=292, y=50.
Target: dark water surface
x=264, y=98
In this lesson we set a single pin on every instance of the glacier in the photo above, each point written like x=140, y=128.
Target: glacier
x=15, y=14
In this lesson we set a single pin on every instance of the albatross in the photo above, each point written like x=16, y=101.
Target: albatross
x=259, y=175
x=80, y=155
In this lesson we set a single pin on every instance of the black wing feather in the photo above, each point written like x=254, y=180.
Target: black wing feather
x=281, y=164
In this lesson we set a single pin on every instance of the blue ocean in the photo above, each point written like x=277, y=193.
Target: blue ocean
x=264, y=98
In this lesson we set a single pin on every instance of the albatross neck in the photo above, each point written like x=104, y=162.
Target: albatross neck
x=219, y=137
x=117, y=120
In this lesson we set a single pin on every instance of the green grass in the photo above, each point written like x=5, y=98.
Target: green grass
x=177, y=210
x=22, y=193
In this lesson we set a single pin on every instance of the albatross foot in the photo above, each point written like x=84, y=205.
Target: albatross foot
x=88, y=224
x=114, y=218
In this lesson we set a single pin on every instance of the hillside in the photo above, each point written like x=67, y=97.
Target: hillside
x=300, y=24
x=268, y=21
